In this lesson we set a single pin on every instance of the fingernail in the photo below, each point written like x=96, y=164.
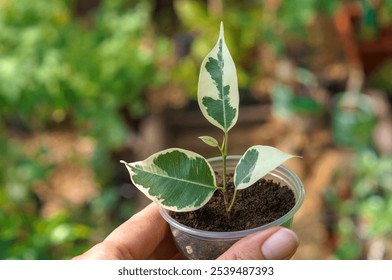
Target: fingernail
x=281, y=245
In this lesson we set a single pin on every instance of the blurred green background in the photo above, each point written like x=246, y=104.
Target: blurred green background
x=80, y=79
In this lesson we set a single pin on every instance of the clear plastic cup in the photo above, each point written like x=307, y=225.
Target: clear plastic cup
x=205, y=245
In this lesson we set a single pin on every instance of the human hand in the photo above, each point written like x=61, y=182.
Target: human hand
x=146, y=235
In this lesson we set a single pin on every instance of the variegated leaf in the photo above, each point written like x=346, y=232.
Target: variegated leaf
x=209, y=140
x=177, y=179
x=257, y=162
x=218, y=87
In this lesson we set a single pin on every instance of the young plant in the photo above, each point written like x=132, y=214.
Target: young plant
x=181, y=180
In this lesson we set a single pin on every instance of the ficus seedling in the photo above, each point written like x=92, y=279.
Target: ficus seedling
x=181, y=180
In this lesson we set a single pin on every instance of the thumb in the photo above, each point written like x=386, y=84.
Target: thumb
x=276, y=243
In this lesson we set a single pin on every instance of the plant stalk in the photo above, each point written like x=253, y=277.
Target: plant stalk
x=224, y=160
x=232, y=202
x=224, y=150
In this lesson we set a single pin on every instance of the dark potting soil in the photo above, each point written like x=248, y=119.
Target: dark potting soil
x=262, y=203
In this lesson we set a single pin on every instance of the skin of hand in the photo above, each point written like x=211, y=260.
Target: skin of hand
x=146, y=235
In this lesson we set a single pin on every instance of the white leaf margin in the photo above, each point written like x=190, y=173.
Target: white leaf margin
x=206, y=86
x=149, y=162
x=268, y=158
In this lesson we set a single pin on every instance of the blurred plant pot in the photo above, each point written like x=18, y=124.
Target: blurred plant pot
x=200, y=244
x=353, y=120
x=366, y=43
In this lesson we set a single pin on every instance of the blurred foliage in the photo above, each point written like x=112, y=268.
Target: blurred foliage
x=353, y=120
x=250, y=26
x=376, y=16
x=59, y=66
x=23, y=235
x=381, y=79
x=92, y=73
x=297, y=97
x=87, y=73
x=363, y=210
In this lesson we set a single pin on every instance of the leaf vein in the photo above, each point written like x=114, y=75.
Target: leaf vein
x=174, y=178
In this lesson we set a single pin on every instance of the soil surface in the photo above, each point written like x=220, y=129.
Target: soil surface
x=262, y=203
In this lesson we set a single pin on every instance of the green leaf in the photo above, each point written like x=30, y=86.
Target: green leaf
x=257, y=162
x=177, y=179
x=211, y=141
x=306, y=105
x=218, y=87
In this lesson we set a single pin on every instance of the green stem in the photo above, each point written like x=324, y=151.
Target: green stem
x=232, y=202
x=224, y=160
x=224, y=149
